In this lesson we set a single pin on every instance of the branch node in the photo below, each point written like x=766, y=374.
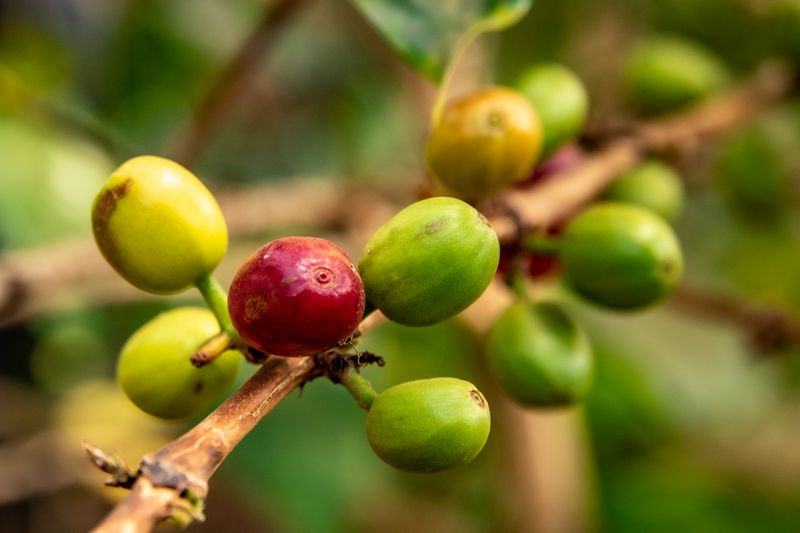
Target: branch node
x=256, y=357
x=112, y=464
x=13, y=293
x=504, y=206
x=771, y=331
x=338, y=363
x=162, y=474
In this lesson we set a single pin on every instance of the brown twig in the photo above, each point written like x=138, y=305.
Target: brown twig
x=175, y=478
x=770, y=328
x=234, y=81
x=551, y=201
x=185, y=465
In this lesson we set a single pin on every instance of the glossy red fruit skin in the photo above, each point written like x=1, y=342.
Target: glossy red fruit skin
x=296, y=296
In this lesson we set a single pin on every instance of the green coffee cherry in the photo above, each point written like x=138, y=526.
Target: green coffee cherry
x=665, y=73
x=429, y=262
x=620, y=256
x=158, y=226
x=652, y=185
x=154, y=369
x=484, y=142
x=428, y=425
x=539, y=355
x=754, y=178
x=560, y=100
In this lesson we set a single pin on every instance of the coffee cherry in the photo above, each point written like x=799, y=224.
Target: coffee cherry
x=652, y=185
x=539, y=356
x=428, y=425
x=560, y=100
x=154, y=370
x=753, y=176
x=158, y=226
x=296, y=296
x=620, y=256
x=666, y=72
x=430, y=261
x=484, y=142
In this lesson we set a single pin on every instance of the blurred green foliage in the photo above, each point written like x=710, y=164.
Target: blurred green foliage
x=430, y=34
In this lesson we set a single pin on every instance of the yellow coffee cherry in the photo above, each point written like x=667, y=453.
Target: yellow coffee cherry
x=158, y=225
x=484, y=142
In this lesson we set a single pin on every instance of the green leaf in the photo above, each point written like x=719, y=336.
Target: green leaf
x=430, y=33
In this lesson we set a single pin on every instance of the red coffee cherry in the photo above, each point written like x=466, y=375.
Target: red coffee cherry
x=296, y=296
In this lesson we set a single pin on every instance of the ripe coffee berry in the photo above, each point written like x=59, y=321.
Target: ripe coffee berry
x=296, y=296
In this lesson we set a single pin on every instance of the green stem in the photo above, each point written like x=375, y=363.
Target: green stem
x=542, y=244
x=517, y=282
x=358, y=387
x=217, y=300
x=211, y=349
x=441, y=95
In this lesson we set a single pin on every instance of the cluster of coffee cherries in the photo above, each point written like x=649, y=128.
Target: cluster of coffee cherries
x=162, y=231
x=620, y=253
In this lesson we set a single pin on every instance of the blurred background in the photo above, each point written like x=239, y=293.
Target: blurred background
x=691, y=426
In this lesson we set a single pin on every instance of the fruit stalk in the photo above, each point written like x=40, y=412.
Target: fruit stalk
x=359, y=388
x=217, y=300
x=211, y=349
x=542, y=244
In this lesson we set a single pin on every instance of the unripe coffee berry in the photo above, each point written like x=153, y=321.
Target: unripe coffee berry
x=539, y=355
x=484, y=142
x=296, y=296
x=667, y=72
x=158, y=226
x=653, y=185
x=754, y=177
x=620, y=256
x=560, y=100
x=428, y=425
x=154, y=370
x=430, y=261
